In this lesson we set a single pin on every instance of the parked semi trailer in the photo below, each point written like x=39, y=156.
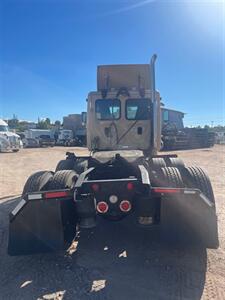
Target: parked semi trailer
x=123, y=177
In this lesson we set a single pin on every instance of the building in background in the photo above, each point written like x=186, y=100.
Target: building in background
x=76, y=123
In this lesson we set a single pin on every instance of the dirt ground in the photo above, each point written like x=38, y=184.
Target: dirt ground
x=110, y=262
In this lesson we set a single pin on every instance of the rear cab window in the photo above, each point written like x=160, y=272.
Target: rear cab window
x=138, y=109
x=107, y=109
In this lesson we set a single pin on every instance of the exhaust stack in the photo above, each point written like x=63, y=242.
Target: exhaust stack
x=154, y=101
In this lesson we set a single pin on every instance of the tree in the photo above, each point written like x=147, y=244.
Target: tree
x=44, y=123
x=48, y=121
x=57, y=123
x=14, y=122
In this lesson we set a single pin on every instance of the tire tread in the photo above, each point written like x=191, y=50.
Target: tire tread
x=37, y=182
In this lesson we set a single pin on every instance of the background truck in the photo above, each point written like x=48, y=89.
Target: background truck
x=39, y=137
x=9, y=141
x=64, y=137
x=76, y=123
x=123, y=177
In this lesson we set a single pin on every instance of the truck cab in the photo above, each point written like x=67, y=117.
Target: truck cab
x=9, y=141
x=120, y=112
x=65, y=137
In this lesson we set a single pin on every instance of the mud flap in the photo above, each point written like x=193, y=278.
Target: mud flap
x=189, y=219
x=42, y=225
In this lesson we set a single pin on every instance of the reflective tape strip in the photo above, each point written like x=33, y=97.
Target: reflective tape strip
x=189, y=192
x=18, y=207
x=50, y=195
x=166, y=190
x=207, y=201
x=34, y=196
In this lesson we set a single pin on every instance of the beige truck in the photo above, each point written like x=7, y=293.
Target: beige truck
x=122, y=178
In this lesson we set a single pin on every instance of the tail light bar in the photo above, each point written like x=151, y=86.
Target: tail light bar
x=187, y=191
x=62, y=194
x=49, y=195
x=166, y=191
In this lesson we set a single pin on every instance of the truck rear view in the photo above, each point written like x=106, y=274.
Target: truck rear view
x=123, y=176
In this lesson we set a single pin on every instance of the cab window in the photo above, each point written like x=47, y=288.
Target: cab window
x=107, y=109
x=138, y=109
x=165, y=116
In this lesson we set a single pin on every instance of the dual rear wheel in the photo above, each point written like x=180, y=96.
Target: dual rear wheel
x=172, y=172
x=189, y=177
x=46, y=180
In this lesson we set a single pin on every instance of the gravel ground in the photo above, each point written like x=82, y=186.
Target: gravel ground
x=112, y=261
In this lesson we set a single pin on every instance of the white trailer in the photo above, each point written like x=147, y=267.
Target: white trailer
x=36, y=133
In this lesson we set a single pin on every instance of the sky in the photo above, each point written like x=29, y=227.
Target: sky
x=49, y=51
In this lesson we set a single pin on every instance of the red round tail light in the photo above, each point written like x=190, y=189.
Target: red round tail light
x=130, y=186
x=125, y=206
x=102, y=207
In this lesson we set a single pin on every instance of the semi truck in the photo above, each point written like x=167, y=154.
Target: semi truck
x=123, y=177
x=65, y=137
x=9, y=141
x=77, y=124
x=39, y=138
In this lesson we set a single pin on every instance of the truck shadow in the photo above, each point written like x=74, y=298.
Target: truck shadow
x=132, y=263
x=112, y=261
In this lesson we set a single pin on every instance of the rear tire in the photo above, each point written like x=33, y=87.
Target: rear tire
x=195, y=177
x=65, y=164
x=63, y=179
x=157, y=163
x=188, y=221
x=171, y=177
x=176, y=162
x=38, y=181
